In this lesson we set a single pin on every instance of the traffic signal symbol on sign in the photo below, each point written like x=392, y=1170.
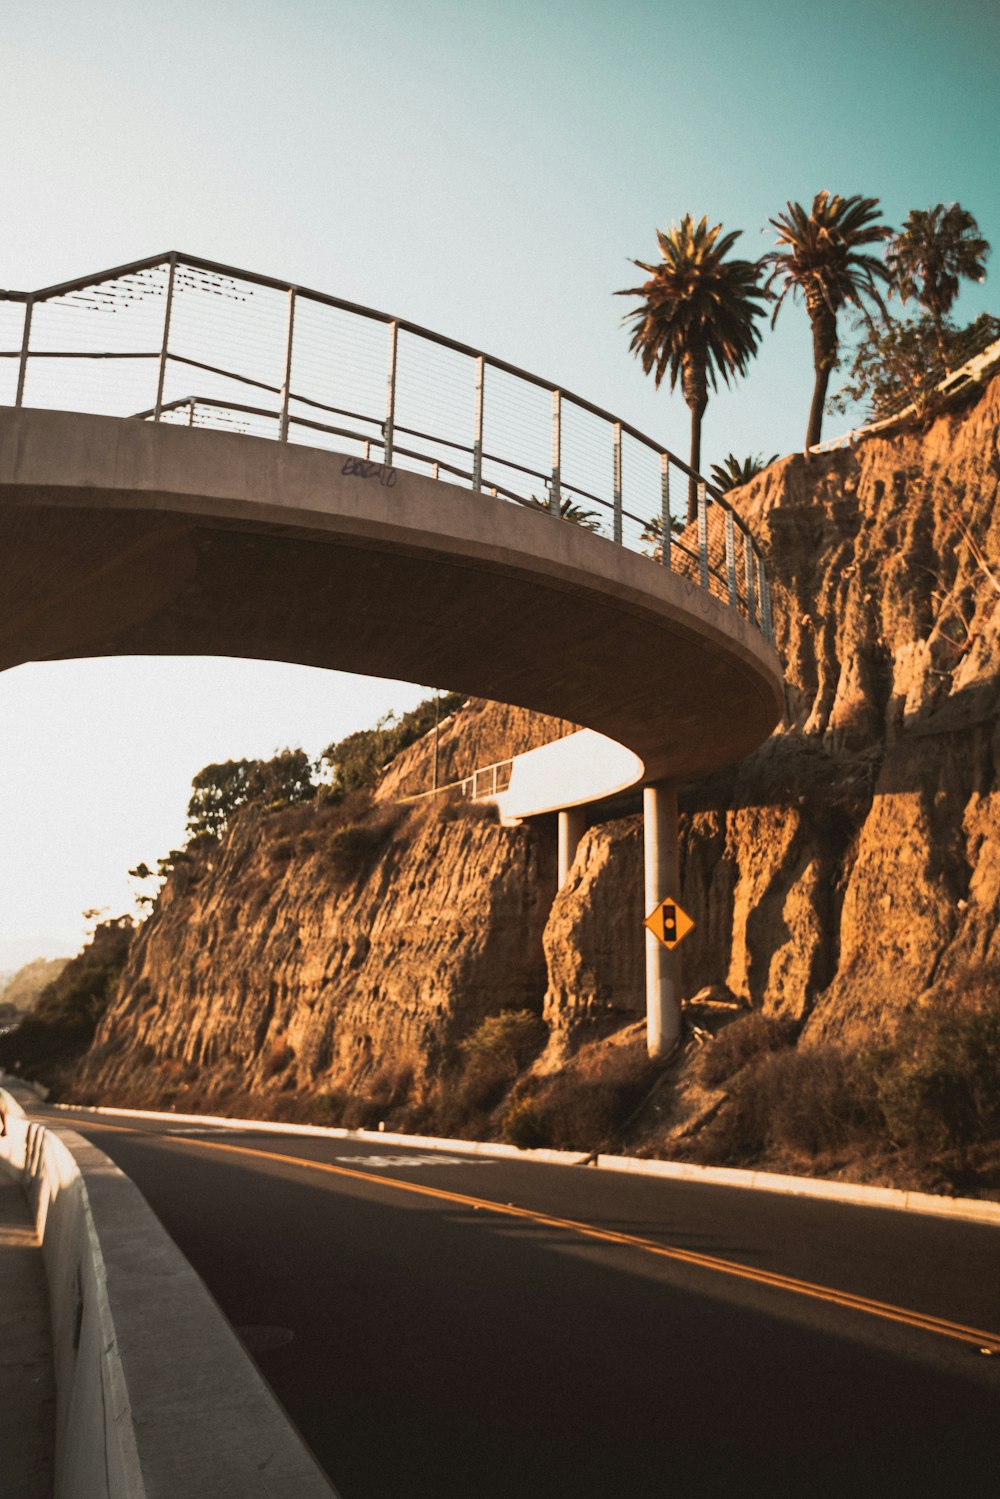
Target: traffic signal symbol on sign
x=669, y=923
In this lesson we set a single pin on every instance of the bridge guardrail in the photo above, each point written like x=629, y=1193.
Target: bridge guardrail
x=183, y=340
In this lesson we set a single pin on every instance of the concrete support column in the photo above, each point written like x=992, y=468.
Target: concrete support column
x=572, y=826
x=661, y=863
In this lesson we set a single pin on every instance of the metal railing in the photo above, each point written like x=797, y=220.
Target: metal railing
x=182, y=340
x=483, y=784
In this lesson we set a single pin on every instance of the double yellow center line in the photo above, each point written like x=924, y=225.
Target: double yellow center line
x=986, y=1342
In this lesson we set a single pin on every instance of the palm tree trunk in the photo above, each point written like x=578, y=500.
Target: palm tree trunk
x=824, y=331
x=939, y=340
x=695, y=462
x=815, y=427
x=694, y=379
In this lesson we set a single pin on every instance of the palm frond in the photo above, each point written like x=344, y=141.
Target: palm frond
x=697, y=306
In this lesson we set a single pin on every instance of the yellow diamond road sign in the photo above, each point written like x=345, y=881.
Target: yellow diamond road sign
x=668, y=923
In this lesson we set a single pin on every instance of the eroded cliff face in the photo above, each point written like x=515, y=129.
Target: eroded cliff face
x=268, y=963
x=853, y=862
x=835, y=876
x=481, y=734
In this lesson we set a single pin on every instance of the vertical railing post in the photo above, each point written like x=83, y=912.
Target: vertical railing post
x=730, y=557
x=477, y=431
x=390, y=398
x=555, y=494
x=162, y=373
x=618, y=482
x=702, y=535
x=748, y=561
x=765, y=608
x=191, y=412
x=286, y=389
x=761, y=593
x=22, y=369
x=666, y=527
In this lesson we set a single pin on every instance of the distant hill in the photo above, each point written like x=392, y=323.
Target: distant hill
x=23, y=987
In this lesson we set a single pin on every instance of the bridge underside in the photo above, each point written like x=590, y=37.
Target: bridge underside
x=121, y=538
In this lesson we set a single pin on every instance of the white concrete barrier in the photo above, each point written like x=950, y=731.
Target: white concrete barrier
x=156, y=1397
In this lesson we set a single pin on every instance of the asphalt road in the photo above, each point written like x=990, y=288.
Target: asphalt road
x=649, y=1343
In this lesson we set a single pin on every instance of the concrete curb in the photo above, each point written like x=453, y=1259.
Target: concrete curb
x=156, y=1397
x=968, y=1209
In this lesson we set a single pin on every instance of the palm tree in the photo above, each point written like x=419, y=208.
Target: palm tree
x=731, y=473
x=697, y=318
x=926, y=259
x=818, y=255
x=651, y=536
x=587, y=520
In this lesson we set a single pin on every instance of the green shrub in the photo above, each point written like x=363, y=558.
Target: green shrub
x=526, y=1125
x=587, y=1108
x=806, y=1101
x=353, y=849
x=327, y=1108
x=462, y=1101
x=459, y=809
x=742, y=1041
x=514, y=1038
x=939, y=1082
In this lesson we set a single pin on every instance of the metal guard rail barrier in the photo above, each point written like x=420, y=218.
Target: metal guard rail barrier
x=370, y=385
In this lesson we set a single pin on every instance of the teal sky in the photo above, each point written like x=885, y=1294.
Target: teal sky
x=485, y=170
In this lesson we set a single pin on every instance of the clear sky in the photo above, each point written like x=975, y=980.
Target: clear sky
x=486, y=170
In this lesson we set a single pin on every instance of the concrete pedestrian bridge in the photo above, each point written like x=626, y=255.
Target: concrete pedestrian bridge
x=411, y=523
x=126, y=538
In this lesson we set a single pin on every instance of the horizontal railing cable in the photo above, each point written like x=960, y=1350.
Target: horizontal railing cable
x=417, y=398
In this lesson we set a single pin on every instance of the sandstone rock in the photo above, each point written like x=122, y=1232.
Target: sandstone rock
x=835, y=876
x=274, y=971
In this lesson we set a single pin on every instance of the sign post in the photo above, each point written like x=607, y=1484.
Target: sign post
x=661, y=882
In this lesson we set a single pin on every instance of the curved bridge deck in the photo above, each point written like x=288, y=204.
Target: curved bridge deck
x=122, y=537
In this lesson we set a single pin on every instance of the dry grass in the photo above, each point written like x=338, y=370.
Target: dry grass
x=741, y=1041
x=586, y=1105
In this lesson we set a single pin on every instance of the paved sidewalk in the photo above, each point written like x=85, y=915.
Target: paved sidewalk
x=27, y=1388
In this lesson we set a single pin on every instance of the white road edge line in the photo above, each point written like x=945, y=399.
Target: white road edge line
x=968, y=1209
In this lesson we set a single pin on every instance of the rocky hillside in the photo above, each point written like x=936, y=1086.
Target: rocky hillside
x=836, y=876
x=19, y=991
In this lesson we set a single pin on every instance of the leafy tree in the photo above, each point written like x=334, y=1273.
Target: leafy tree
x=356, y=761
x=219, y=791
x=934, y=250
x=733, y=472
x=821, y=254
x=697, y=318
x=898, y=362
x=284, y=780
